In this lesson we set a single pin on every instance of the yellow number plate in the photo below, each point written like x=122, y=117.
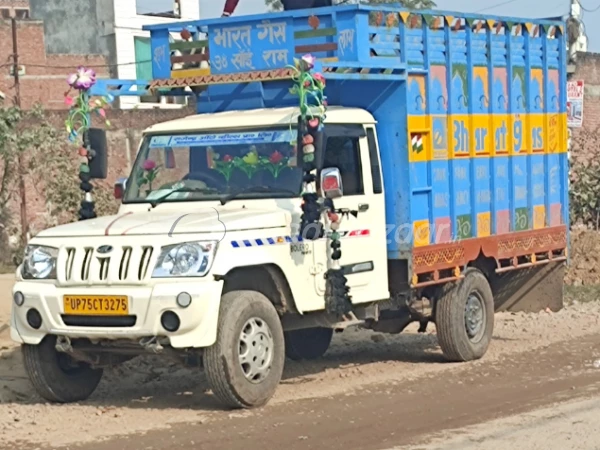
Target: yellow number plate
x=99, y=305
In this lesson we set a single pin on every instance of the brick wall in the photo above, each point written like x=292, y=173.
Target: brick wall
x=588, y=70
x=45, y=75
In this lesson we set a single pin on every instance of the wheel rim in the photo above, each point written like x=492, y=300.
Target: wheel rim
x=474, y=317
x=256, y=350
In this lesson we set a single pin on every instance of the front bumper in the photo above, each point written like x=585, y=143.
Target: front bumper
x=198, y=326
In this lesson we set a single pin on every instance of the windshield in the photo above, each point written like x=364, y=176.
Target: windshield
x=212, y=166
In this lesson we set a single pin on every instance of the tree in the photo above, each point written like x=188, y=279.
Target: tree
x=275, y=5
x=49, y=161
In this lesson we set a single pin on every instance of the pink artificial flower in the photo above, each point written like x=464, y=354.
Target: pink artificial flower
x=227, y=158
x=149, y=165
x=82, y=79
x=69, y=100
x=275, y=157
x=102, y=113
x=309, y=61
x=319, y=78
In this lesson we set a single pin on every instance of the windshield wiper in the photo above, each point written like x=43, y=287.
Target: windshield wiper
x=158, y=201
x=259, y=189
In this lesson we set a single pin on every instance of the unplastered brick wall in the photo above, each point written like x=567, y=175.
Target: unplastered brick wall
x=14, y=3
x=44, y=80
x=123, y=139
x=588, y=70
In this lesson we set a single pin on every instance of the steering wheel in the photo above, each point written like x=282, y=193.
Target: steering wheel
x=213, y=180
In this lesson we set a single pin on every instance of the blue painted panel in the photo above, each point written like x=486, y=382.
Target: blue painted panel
x=501, y=189
x=251, y=45
x=437, y=47
x=161, y=55
x=461, y=199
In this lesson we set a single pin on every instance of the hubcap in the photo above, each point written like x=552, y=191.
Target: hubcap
x=474, y=314
x=256, y=350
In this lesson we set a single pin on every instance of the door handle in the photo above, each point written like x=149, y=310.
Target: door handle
x=363, y=207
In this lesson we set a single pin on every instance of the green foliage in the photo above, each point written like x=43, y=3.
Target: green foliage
x=48, y=161
x=275, y=5
x=584, y=191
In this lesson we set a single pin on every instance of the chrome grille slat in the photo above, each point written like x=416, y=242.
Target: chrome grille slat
x=128, y=264
x=125, y=261
x=145, y=262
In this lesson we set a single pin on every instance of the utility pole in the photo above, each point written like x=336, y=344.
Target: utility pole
x=17, y=101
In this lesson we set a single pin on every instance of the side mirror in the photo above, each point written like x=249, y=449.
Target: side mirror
x=120, y=186
x=331, y=183
x=313, y=138
x=99, y=162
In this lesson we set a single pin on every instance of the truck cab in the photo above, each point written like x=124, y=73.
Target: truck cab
x=433, y=216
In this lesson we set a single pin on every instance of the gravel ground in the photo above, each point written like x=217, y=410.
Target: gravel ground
x=147, y=394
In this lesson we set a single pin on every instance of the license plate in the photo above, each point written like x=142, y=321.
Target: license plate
x=96, y=305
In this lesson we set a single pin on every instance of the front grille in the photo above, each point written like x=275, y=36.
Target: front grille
x=99, y=321
x=121, y=264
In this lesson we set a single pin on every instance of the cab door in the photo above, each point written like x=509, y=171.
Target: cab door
x=353, y=150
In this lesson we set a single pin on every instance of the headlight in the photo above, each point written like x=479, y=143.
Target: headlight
x=190, y=259
x=40, y=263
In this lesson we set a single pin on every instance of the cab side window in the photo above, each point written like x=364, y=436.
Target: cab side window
x=344, y=153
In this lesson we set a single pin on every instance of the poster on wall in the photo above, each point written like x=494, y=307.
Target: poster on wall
x=575, y=103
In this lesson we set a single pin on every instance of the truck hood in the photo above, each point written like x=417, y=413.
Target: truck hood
x=206, y=220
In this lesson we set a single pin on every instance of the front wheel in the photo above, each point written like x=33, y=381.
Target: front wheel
x=465, y=318
x=245, y=365
x=56, y=376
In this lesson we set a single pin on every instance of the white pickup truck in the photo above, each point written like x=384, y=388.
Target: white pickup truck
x=203, y=264
x=187, y=265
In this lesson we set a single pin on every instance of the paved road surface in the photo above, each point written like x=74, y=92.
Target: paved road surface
x=420, y=411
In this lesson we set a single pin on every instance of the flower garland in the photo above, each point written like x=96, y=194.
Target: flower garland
x=250, y=164
x=78, y=123
x=310, y=87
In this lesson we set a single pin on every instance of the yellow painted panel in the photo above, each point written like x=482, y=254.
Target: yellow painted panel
x=538, y=133
x=553, y=122
x=421, y=233
x=482, y=136
x=539, y=217
x=190, y=73
x=500, y=134
x=490, y=135
x=419, y=141
x=484, y=224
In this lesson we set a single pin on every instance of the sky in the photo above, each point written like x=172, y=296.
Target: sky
x=515, y=8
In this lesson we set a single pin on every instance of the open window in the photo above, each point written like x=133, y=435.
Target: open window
x=22, y=13
x=343, y=152
x=5, y=13
x=159, y=8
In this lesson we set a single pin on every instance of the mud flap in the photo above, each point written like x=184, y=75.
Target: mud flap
x=530, y=290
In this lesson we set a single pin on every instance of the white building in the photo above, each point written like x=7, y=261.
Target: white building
x=132, y=44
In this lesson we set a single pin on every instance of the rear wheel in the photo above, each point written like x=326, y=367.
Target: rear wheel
x=56, y=376
x=307, y=344
x=245, y=365
x=465, y=318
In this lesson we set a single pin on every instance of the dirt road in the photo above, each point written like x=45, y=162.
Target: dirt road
x=371, y=391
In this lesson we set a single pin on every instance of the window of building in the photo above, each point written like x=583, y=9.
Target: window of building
x=159, y=8
x=22, y=13
x=5, y=13
x=343, y=152
x=143, y=64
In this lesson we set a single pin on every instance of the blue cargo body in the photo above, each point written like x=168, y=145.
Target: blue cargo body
x=470, y=110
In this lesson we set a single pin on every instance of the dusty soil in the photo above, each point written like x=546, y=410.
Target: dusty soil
x=434, y=412
x=149, y=394
x=584, y=265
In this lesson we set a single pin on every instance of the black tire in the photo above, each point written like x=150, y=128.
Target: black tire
x=56, y=376
x=457, y=342
x=307, y=344
x=224, y=369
